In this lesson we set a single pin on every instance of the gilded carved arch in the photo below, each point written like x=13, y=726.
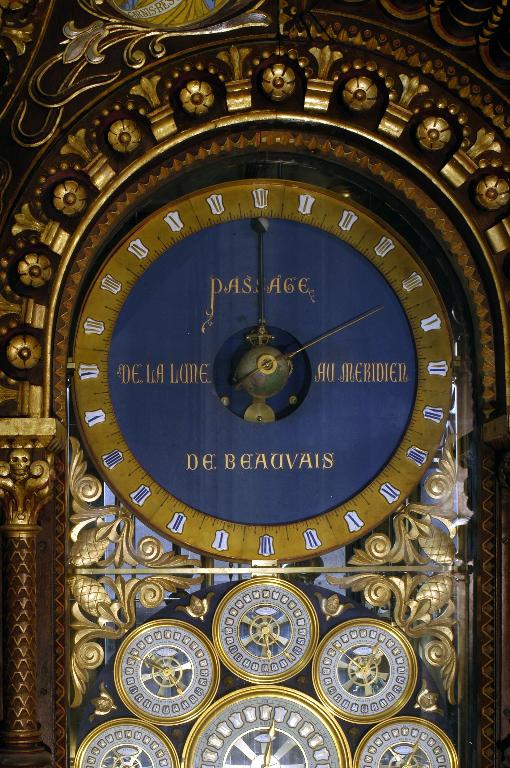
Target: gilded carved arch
x=131, y=113
x=399, y=118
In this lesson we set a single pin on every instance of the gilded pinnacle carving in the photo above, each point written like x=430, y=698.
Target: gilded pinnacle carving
x=161, y=116
x=50, y=232
x=97, y=166
x=319, y=88
x=465, y=162
x=398, y=112
x=239, y=87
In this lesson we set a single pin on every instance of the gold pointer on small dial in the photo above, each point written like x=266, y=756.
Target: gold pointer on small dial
x=269, y=749
x=164, y=669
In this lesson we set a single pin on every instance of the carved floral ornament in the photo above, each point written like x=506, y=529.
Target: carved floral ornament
x=321, y=82
x=105, y=607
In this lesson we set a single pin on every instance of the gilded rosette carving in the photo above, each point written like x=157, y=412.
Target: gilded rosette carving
x=105, y=607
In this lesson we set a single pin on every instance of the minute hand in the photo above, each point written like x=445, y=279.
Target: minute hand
x=336, y=329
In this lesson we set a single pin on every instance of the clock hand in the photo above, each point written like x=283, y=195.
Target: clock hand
x=267, y=363
x=351, y=660
x=260, y=335
x=269, y=748
x=336, y=329
x=265, y=635
x=166, y=670
x=410, y=755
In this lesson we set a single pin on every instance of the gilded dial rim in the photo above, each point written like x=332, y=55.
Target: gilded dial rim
x=334, y=527
x=131, y=734
x=191, y=669
x=406, y=730
x=255, y=700
x=289, y=606
x=365, y=670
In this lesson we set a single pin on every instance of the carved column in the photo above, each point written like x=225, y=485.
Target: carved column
x=496, y=434
x=26, y=480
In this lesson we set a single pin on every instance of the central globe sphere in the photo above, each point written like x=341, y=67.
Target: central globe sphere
x=263, y=371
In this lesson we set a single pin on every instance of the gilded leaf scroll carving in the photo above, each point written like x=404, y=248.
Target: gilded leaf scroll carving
x=422, y=533
x=421, y=605
x=88, y=46
x=95, y=529
x=105, y=607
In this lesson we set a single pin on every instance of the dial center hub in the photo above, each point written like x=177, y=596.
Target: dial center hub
x=263, y=371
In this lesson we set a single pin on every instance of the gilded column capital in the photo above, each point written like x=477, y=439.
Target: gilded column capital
x=27, y=448
x=25, y=486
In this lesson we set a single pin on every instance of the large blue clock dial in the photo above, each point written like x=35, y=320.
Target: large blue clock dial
x=262, y=371
x=353, y=391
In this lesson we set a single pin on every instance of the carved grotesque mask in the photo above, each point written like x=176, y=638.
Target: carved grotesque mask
x=19, y=461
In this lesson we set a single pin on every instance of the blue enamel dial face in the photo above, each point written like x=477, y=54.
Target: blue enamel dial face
x=262, y=371
x=313, y=456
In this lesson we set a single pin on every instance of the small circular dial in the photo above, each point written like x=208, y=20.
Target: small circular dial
x=364, y=670
x=265, y=630
x=166, y=671
x=406, y=742
x=272, y=727
x=126, y=743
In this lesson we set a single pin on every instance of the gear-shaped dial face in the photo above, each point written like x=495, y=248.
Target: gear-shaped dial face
x=270, y=727
x=265, y=630
x=364, y=670
x=166, y=671
x=126, y=743
x=406, y=742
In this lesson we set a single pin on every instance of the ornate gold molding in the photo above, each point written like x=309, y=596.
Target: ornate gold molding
x=105, y=607
x=459, y=23
x=89, y=46
x=149, y=123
